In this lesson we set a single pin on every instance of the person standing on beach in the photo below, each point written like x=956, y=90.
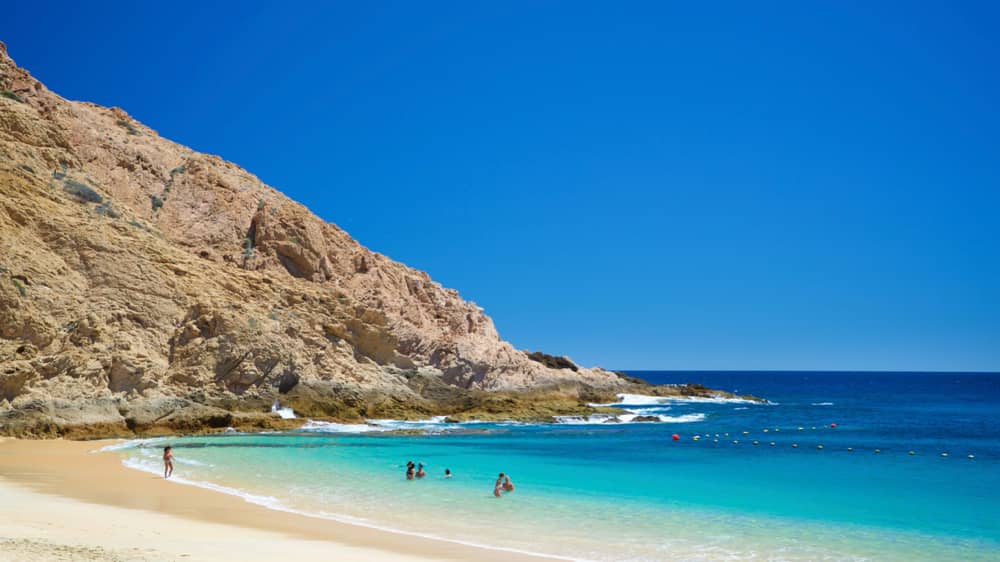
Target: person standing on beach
x=168, y=462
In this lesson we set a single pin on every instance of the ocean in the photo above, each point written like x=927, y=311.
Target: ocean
x=837, y=466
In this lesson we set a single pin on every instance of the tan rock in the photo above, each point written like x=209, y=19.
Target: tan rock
x=135, y=269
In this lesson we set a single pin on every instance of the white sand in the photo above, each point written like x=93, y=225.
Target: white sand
x=59, y=501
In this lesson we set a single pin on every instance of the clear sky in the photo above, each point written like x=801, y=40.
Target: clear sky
x=674, y=185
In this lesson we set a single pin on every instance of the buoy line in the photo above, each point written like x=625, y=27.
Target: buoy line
x=820, y=447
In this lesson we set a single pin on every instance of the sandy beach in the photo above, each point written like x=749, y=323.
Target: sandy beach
x=60, y=501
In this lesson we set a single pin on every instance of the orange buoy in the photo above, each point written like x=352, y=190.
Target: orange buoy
x=675, y=437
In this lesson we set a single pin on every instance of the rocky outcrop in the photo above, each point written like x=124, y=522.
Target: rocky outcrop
x=551, y=361
x=147, y=287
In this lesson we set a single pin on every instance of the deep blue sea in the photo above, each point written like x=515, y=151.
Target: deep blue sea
x=742, y=481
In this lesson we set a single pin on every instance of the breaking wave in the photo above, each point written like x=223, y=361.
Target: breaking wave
x=599, y=419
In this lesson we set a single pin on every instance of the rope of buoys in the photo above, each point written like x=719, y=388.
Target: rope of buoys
x=676, y=437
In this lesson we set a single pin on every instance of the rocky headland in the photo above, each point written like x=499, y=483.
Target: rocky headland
x=146, y=288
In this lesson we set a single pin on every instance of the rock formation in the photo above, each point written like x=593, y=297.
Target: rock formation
x=147, y=287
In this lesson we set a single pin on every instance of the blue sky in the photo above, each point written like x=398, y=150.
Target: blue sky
x=672, y=185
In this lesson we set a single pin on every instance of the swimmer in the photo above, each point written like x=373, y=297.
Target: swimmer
x=168, y=462
x=508, y=486
x=447, y=473
x=420, y=471
x=498, y=486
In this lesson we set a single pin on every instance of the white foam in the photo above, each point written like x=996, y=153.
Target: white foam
x=286, y=413
x=433, y=424
x=598, y=419
x=822, y=403
x=644, y=400
x=331, y=427
x=642, y=410
x=131, y=444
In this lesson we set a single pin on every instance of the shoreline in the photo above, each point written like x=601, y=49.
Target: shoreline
x=62, y=499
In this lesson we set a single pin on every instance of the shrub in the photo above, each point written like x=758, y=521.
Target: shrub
x=178, y=170
x=20, y=287
x=26, y=168
x=260, y=204
x=247, y=249
x=59, y=175
x=156, y=201
x=11, y=95
x=128, y=127
x=107, y=210
x=82, y=192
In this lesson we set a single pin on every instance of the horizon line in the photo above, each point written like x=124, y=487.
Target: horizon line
x=884, y=371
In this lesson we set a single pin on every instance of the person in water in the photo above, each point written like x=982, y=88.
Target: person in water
x=447, y=473
x=420, y=471
x=508, y=486
x=498, y=486
x=409, y=470
x=168, y=462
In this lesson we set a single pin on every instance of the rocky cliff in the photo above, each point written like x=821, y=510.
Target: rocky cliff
x=145, y=286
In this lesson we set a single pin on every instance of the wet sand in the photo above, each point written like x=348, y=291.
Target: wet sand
x=61, y=501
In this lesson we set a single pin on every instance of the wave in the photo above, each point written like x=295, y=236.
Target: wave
x=434, y=424
x=132, y=444
x=627, y=400
x=286, y=413
x=647, y=410
x=271, y=502
x=600, y=419
x=822, y=403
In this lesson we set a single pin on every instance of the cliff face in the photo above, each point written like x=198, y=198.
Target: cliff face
x=133, y=270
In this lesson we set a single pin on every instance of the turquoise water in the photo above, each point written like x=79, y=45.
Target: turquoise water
x=627, y=491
